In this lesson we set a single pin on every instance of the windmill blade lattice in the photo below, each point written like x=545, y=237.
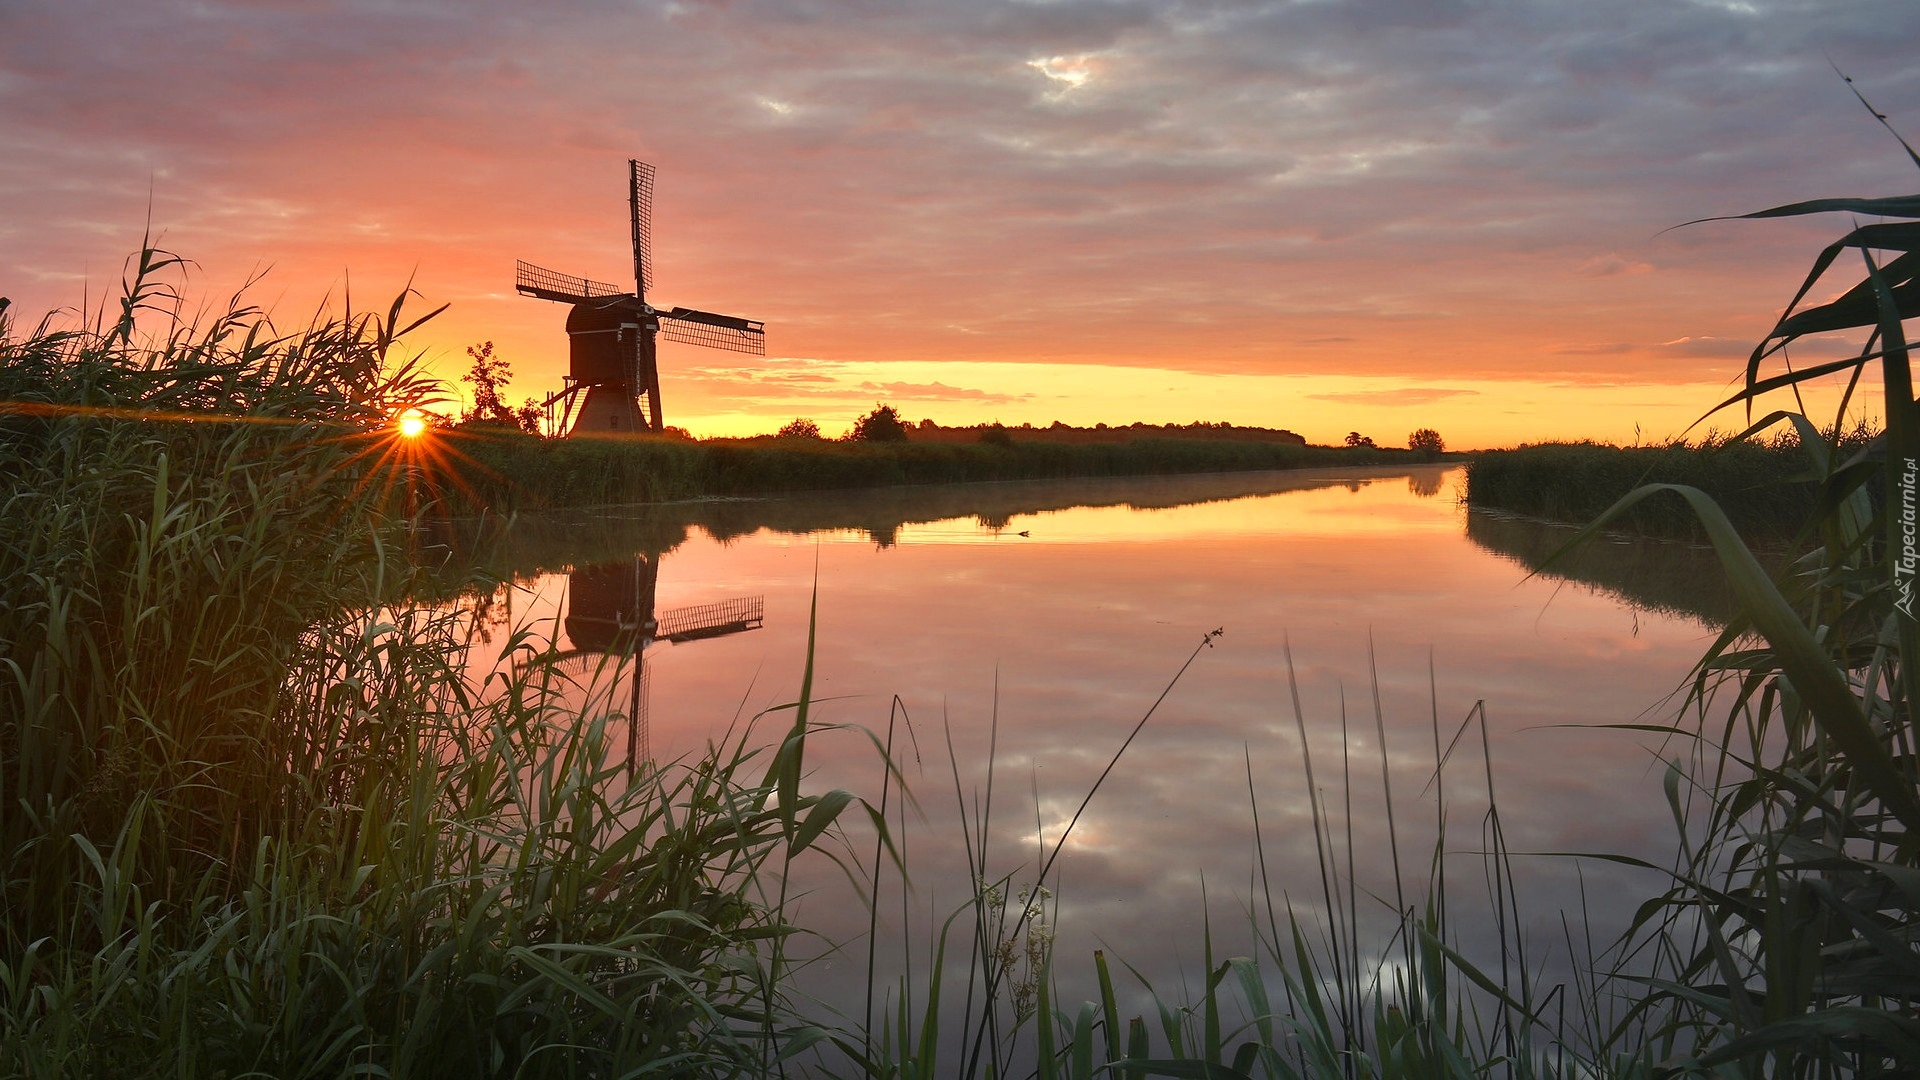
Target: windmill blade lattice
x=696, y=621
x=714, y=331
x=640, y=716
x=613, y=372
x=554, y=285
x=640, y=196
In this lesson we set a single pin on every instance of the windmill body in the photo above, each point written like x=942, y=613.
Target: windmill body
x=613, y=377
x=612, y=359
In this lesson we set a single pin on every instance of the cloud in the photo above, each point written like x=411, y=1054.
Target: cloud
x=1707, y=345
x=1379, y=187
x=1596, y=348
x=938, y=391
x=1612, y=264
x=1412, y=395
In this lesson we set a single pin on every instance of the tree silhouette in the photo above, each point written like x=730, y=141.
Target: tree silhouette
x=490, y=375
x=881, y=425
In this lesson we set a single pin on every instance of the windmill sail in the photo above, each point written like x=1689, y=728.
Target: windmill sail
x=613, y=374
x=554, y=285
x=714, y=331
x=640, y=198
x=696, y=621
x=639, y=715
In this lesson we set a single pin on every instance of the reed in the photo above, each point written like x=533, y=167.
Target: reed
x=1763, y=487
x=1347, y=982
x=1785, y=945
x=260, y=821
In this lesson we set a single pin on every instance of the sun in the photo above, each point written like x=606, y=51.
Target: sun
x=412, y=425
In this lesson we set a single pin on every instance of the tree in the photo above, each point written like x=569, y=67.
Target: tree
x=490, y=375
x=529, y=416
x=799, y=428
x=1427, y=441
x=1354, y=438
x=881, y=425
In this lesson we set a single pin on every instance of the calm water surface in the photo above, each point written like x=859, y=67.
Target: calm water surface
x=1067, y=624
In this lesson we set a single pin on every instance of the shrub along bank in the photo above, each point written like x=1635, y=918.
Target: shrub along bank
x=501, y=470
x=1759, y=486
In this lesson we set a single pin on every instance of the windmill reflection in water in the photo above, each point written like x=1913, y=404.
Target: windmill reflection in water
x=610, y=612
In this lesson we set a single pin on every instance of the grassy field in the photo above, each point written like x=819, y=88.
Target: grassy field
x=504, y=471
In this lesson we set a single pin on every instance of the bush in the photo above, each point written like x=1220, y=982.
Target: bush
x=881, y=425
x=799, y=428
x=1427, y=441
x=1756, y=485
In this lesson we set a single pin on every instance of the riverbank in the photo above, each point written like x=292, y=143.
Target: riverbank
x=1760, y=487
x=501, y=471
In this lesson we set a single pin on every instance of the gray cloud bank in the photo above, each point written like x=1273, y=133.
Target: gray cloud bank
x=1469, y=188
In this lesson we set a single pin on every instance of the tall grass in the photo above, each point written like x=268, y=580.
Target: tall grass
x=258, y=819
x=1345, y=980
x=189, y=508
x=1763, y=487
x=520, y=472
x=1786, y=945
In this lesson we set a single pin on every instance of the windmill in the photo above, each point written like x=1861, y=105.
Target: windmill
x=611, y=334
x=610, y=611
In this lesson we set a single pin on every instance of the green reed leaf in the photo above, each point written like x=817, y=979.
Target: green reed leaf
x=1802, y=659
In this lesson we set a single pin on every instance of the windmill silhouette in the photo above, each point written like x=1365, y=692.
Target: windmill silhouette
x=611, y=334
x=610, y=612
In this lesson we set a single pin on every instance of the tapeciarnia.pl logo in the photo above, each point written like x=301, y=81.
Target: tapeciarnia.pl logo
x=1908, y=559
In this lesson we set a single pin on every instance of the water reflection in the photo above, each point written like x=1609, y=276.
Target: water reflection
x=611, y=612
x=1670, y=577
x=1425, y=484
x=884, y=517
x=1029, y=626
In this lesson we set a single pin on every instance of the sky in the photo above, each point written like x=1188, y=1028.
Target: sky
x=1322, y=215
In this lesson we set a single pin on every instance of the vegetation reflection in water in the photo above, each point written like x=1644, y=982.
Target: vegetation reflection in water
x=1077, y=615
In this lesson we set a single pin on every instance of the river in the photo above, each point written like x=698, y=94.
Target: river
x=1034, y=625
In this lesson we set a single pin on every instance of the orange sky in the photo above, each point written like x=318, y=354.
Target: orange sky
x=1330, y=216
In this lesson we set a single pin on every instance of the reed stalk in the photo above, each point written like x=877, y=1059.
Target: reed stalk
x=1785, y=945
x=259, y=820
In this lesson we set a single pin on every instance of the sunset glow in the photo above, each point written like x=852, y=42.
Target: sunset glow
x=412, y=425
x=1325, y=217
